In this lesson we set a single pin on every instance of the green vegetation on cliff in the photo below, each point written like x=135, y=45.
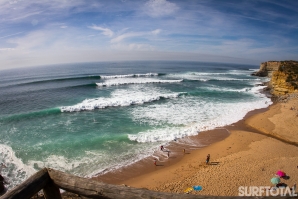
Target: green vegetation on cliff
x=290, y=68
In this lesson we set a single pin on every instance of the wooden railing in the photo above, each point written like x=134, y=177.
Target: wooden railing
x=50, y=180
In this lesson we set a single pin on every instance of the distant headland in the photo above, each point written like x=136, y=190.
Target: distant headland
x=283, y=74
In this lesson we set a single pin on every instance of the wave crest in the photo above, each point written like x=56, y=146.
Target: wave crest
x=168, y=134
x=100, y=103
x=129, y=75
x=136, y=81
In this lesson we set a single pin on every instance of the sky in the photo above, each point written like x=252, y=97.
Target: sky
x=48, y=32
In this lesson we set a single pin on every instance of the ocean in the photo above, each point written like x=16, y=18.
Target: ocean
x=91, y=118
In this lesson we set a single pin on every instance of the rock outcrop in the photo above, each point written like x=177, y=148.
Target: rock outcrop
x=267, y=68
x=283, y=74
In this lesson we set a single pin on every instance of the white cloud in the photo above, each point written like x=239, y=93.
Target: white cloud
x=13, y=2
x=23, y=16
x=159, y=8
x=139, y=47
x=105, y=31
x=6, y=49
x=156, y=32
x=10, y=35
x=24, y=10
x=126, y=35
x=37, y=41
x=134, y=34
x=132, y=47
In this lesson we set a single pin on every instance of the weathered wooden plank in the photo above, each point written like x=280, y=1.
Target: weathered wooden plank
x=94, y=189
x=30, y=187
x=50, y=180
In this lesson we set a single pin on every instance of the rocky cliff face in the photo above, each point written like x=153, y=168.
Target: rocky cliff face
x=267, y=68
x=284, y=76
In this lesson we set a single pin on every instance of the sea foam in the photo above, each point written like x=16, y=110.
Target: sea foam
x=121, y=98
x=165, y=134
x=233, y=75
x=14, y=171
x=190, y=111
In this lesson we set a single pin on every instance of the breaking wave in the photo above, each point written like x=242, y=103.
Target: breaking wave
x=167, y=134
x=135, y=81
x=129, y=75
x=101, y=103
x=14, y=170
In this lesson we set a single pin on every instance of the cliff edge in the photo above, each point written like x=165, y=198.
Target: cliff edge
x=283, y=74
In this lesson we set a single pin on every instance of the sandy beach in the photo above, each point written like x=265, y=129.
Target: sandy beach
x=247, y=153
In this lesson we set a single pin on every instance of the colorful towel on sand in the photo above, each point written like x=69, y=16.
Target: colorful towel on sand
x=189, y=189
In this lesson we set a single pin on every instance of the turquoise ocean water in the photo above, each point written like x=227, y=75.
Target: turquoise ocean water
x=91, y=118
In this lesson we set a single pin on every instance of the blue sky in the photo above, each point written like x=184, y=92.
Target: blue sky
x=67, y=31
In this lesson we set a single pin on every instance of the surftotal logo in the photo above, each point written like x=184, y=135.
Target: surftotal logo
x=266, y=191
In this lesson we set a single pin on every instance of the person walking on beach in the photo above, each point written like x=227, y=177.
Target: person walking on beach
x=208, y=159
x=155, y=162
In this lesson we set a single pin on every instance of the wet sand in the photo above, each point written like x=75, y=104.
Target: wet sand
x=176, y=154
x=247, y=153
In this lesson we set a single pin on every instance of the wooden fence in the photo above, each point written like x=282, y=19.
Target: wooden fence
x=50, y=180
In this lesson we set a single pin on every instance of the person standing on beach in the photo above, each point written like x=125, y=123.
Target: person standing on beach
x=161, y=147
x=208, y=159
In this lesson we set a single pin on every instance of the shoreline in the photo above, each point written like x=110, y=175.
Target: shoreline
x=146, y=166
x=246, y=136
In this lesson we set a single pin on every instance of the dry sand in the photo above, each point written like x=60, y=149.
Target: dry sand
x=250, y=156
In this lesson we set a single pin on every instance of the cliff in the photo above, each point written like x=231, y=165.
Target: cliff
x=283, y=74
x=267, y=68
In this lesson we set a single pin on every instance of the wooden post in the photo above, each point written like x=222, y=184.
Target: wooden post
x=51, y=191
